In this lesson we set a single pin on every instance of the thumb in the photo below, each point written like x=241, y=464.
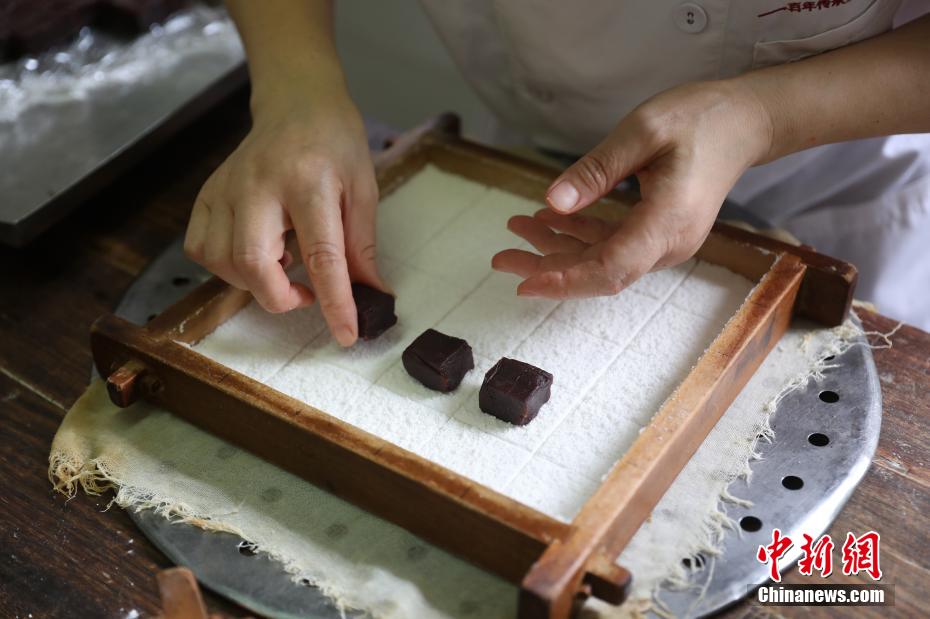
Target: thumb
x=595, y=174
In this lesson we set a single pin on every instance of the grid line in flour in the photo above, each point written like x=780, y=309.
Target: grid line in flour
x=410, y=224
x=636, y=394
x=462, y=249
x=476, y=207
x=469, y=401
x=334, y=366
x=580, y=403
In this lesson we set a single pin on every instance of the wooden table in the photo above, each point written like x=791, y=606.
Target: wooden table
x=74, y=558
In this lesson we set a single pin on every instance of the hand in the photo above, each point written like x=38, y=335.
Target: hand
x=303, y=166
x=687, y=146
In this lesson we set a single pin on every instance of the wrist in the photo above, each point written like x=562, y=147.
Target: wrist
x=272, y=100
x=767, y=89
x=756, y=111
x=294, y=81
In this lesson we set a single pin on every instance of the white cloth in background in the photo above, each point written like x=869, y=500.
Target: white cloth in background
x=565, y=74
x=877, y=218
x=614, y=359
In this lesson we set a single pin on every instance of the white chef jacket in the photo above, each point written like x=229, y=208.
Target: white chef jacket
x=564, y=73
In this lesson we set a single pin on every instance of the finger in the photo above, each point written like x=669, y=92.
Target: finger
x=516, y=261
x=360, y=227
x=217, y=248
x=579, y=281
x=599, y=171
x=527, y=264
x=318, y=223
x=196, y=233
x=542, y=237
x=257, y=254
x=633, y=250
x=591, y=230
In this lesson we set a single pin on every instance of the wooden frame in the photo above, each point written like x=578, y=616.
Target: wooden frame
x=554, y=563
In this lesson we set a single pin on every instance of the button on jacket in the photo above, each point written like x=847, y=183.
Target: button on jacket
x=564, y=73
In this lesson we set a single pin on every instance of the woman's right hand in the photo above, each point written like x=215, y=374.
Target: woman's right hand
x=305, y=165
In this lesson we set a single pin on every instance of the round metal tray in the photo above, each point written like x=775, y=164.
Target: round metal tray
x=825, y=436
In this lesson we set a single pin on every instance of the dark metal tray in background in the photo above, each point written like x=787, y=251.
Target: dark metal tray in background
x=56, y=154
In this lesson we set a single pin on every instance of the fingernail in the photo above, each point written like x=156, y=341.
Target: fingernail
x=344, y=336
x=563, y=196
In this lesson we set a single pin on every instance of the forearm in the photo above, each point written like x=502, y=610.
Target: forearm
x=878, y=87
x=290, y=49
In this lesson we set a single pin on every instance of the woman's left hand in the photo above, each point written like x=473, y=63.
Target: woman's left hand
x=688, y=146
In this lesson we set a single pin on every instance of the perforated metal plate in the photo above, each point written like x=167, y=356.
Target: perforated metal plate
x=825, y=438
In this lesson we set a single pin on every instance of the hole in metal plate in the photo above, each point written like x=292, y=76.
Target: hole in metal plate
x=750, y=524
x=829, y=397
x=792, y=482
x=818, y=440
